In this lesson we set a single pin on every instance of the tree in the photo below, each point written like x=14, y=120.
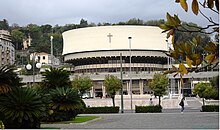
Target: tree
x=55, y=77
x=200, y=89
x=17, y=38
x=159, y=85
x=8, y=78
x=154, y=22
x=215, y=81
x=135, y=21
x=4, y=25
x=112, y=85
x=188, y=51
x=206, y=91
x=82, y=84
x=46, y=28
x=83, y=23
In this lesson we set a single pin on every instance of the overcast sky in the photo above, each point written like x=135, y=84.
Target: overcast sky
x=63, y=12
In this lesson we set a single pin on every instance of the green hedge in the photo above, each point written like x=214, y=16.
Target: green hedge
x=210, y=108
x=148, y=109
x=97, y=110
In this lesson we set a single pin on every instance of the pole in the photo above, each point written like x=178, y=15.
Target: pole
x=122, y=105
x=51, y=49
x=33, y=62
x=168, y=68
x=129, y=38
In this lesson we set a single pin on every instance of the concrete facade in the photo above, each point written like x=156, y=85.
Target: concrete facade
x=95, y=52
x=7, y=50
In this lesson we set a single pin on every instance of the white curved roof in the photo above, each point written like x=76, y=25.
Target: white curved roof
x=95, y=38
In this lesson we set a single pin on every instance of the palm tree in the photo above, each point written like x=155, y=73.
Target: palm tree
x=55, y=77
x=22, y=108
x=8, y=78
x=66, y=103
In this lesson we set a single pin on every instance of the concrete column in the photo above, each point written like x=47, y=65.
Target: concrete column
x=92, y=92
x=141, y=86
x=179, y=87
x=128, y=87
x=103, y=91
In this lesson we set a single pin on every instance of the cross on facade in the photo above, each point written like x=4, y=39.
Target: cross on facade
x=109, y=36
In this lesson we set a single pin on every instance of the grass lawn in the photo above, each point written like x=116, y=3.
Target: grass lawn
x=81, y=119
x=78, y=119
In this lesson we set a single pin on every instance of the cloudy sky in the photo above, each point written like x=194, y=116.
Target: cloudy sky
x=63, y=12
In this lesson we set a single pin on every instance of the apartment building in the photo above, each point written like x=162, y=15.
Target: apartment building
x=7, y=49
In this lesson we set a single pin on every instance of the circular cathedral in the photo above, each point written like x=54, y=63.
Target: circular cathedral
x=96, y=52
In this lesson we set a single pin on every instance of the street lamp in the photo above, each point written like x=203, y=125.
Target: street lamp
x=29, y=67
x=169, y=62
x=122, y=103
x=51, y=49
x=129, y=38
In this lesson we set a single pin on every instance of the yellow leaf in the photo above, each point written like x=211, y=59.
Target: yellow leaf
x=211, y=48
x=210, y=58
x=204, y=4
x=188, y=61
x=210, y=4
x=177, y=19
x=216, y=29
x=170, y=20
x=164, y=27
x=198, y=39
x=217, y=4
x=174, y=68
x=173, y=39
x=198, y=61
x=182, y=69
x=171, y=32
x=184, y=5
x=195, y=7
x=169, y=71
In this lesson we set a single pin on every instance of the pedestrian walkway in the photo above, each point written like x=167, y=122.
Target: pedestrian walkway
x=170, y=118
x=166, y=102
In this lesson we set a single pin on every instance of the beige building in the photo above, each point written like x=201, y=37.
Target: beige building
x=7, y=50
x=44, y=58
x=95, y=52
x=26, y=42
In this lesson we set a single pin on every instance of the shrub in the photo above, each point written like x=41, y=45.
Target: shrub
x=66, y=104
x=22, y=108
x=97, y=110
x=148, y=109
x=210, y=108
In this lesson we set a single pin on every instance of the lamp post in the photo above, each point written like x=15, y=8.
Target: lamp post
x=29, y=67
x=122, y=103
x=129, y=38
x=168, y=68
x=51, y=50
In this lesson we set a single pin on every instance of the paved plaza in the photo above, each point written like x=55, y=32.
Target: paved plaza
x=170, y=118
x=187, y=120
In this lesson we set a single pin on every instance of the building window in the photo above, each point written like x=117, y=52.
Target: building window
x=38, y=58
x=43, y=57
